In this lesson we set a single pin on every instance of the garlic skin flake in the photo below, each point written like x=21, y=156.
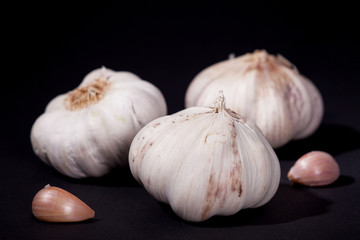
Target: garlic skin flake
x=88, y=131
x=53, y=204
x=269, y=89
x=316, y=168
x=205, y=161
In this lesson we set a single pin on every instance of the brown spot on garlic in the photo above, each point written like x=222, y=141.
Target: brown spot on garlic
x=240, y=190
x=216, y=192
x=209, y=198
x=235, y=176
x=143, y=150
x=83, y=97
x=234, y=146
x=53, y=204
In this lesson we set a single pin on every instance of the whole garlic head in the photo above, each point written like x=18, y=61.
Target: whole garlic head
x=88, y=131
x=205, y=161
x=284, y=104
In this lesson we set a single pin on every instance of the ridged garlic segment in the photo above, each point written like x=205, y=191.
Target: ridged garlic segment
x=88, y=131
x=316, y=168
x=284, y=104
x=53, y=204
x=205, y=161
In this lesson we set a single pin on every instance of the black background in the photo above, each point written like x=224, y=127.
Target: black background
x=49, y=47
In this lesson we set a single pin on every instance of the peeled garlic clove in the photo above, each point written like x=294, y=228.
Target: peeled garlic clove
x=53, y=204
x=315, y=168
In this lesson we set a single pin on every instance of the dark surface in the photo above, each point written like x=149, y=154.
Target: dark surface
x=52, y=47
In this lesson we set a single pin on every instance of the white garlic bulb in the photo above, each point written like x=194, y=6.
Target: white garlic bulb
x=205, y=161
x=88, y=131
x=284, y=104
x=316, y=168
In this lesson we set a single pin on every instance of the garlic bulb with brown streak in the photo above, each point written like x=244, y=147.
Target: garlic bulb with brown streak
x=316, y=168
x=205, y=161
x=269, y=89
x=88, y=131
x=53, y=204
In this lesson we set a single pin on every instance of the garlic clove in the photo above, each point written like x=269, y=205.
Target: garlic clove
x=53, y=204
x=315, y=168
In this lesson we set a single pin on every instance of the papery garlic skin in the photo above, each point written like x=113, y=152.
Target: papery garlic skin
x=204, y=162
x=53, y=204
x=284, y=104
x=88, y=131
x=316, y=168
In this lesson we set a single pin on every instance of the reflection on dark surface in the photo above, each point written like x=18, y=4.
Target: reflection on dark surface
x=340, y=182
x=334, y=139
x=289, y=204
x=75, y=224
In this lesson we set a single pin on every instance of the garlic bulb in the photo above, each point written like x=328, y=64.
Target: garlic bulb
x=205, y=161
x=315, y=168
x=284, y=104
x=53, y=204
x=88, y=131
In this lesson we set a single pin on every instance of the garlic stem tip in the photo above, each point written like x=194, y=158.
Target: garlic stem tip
x=103, y=70
x=231, y=55
x=220, y=102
